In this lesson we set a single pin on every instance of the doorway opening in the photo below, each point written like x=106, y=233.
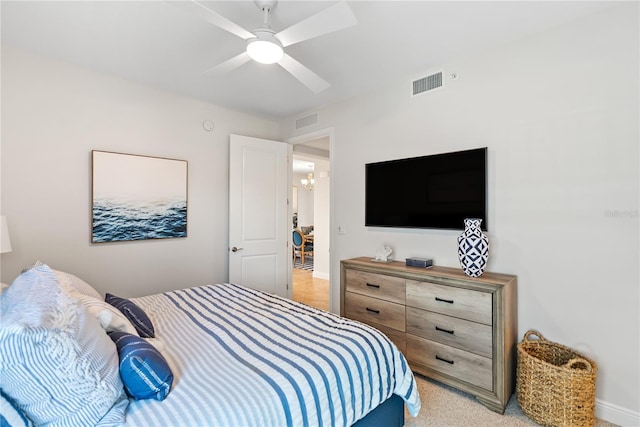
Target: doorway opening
x=310, y=217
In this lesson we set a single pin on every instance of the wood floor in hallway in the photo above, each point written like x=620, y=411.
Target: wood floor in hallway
x=310, y=290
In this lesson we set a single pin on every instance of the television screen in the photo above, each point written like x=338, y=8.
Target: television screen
x=437, y=191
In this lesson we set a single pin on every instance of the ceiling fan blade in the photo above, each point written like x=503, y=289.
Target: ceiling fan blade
x=331, y=19
x=212, y=17
x=305, y=75
x=229, y=65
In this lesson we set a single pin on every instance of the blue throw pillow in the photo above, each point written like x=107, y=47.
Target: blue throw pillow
x=10, y=414
x=144, y=371
x=135, y=314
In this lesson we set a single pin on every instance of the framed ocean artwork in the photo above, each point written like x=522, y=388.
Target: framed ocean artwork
x=137, y=197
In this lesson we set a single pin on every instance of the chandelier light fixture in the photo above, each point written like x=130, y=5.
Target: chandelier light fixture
x=308, y=182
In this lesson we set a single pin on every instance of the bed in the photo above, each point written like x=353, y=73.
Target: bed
x=240, y=357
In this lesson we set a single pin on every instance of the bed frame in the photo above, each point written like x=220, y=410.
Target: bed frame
x=389, y=413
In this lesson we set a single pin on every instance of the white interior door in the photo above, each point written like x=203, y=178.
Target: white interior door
x=258, y=214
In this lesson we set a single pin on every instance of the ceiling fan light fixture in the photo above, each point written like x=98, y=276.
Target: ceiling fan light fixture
x=265, y=48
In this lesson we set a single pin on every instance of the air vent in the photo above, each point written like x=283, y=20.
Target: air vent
x=424, y=84
x=305, y=121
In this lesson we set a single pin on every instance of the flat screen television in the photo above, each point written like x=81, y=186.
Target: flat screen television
x=437, y=191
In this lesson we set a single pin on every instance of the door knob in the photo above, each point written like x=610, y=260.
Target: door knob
x=234, y=249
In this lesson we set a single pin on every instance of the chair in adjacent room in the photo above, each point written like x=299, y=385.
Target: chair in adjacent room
x=301, y=248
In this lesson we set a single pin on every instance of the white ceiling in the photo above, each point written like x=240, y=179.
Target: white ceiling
x=156, y=43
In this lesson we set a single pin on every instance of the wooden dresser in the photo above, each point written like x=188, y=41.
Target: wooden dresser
x=455, y=329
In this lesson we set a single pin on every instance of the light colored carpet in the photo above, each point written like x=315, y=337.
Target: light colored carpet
x=444, y=406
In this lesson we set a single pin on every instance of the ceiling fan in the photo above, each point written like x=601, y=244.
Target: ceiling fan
x=267, y=46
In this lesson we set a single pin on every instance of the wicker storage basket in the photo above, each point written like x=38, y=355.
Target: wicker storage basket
x=555, y=385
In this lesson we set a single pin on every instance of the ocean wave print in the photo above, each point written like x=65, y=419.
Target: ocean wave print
x=118, y=220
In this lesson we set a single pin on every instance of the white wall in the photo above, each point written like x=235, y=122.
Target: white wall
x=321, y=208
x=305, y=201
x=53, y=115
x=559, y=114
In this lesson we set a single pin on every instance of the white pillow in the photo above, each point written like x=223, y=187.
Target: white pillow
x=110, y=318
x=77, y=283
x=57, y=364
x=68, y=279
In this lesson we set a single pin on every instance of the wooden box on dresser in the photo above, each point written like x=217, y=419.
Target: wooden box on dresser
x=455, y=329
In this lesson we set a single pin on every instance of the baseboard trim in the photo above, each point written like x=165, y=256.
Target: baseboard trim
x=321, y=275
x=616, y=414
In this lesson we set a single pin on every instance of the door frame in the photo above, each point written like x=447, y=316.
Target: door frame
x=334, y=291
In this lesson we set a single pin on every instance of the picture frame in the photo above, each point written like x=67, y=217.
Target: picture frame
x=137, y=197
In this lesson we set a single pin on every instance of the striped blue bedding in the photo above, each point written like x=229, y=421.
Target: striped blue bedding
x=241, y=357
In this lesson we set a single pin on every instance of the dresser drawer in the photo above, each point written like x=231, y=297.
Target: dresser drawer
x=374, y=311
x=466, y=304
x=388, y=288
x=462, y=365
x=459, y=333
x=399, y=338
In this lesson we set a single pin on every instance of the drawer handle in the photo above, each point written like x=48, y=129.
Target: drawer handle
x=448, y=301
x=373, y=286
x=448, y=331
x=372, y=310
x=450, y=362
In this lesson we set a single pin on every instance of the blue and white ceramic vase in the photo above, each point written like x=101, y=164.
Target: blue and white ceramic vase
x=473, y=248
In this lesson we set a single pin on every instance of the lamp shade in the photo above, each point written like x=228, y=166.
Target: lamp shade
x=5, y=240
